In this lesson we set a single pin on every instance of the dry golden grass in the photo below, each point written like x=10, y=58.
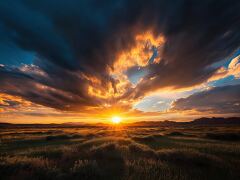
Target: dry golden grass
x=120, y=153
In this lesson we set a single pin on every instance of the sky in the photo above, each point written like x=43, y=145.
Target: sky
x=86, y=61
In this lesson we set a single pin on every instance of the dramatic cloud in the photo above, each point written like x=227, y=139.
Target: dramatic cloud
x=233, y=69
x=219, y=100
x=92, y=54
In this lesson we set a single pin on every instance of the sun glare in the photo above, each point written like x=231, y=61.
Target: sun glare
x=116, y=119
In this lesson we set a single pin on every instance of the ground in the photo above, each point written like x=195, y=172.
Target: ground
x=120, y=152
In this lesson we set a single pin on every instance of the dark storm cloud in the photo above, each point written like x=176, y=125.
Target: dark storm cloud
x=198, y=34
x=83, y=38
x=30, y=87
x=224, y=99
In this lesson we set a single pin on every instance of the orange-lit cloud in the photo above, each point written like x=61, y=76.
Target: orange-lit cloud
x=140, y=53
x=233, y=69
x=102, y=61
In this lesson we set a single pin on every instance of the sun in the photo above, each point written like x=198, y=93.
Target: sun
x=116, y=119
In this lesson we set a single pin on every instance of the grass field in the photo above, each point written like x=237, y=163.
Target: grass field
x=120, y=152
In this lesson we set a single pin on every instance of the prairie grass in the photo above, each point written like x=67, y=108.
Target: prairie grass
x=124, y=153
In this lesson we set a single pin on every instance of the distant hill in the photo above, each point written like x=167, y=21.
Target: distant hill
x=201, y=121
x=153, y=123
x=216, y=120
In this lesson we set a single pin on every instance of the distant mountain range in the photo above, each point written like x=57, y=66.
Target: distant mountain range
x=214, y=120
x=201, y=121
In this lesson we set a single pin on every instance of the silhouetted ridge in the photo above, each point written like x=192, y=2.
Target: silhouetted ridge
x=216, y=120
x=200, y=121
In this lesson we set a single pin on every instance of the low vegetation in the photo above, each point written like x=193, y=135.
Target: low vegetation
x=120, y=152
